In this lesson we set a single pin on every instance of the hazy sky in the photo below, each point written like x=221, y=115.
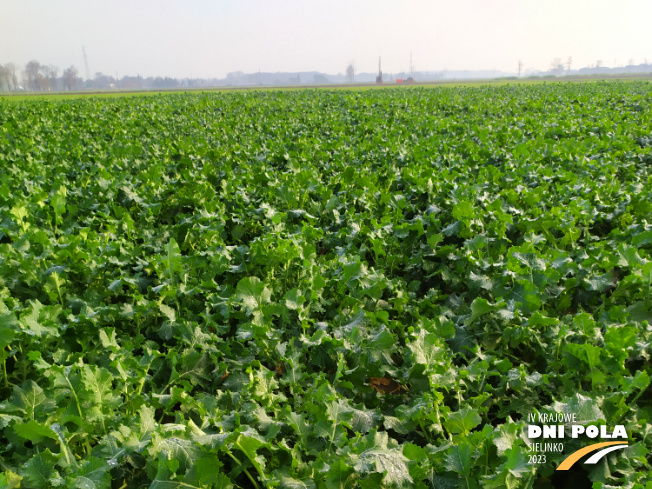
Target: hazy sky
x=209, y=38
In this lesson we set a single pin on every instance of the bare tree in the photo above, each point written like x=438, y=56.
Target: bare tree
x=350, y=73
x=50, y=73
x=70, y=78
x=12, y=70
x=104, y=81
x=42, y=80
x=4, y=78
x=32, y=75
x=520, y=67
x=556, y=67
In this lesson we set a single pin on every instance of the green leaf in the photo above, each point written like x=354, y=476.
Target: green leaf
x=620, y=338
x=462, y=421
x=34, y=432
x=19, y=212
x=166, y=478
x=98, y=390
x=382, y=340
x=183, y=451
x=517, y=462
x=294, y=299
x=352, y=271
x=173, y=258
x=340, y=476
x=428, y=350
x=8, y=325
x=108, y=338
x=93, y=474
x=387, y=461
x=32, y=325
x=253, y=293
x=168, y=312
x=481, y=281
x=480, y=307
x=249, y=442
x=586, y=409
x=463, y=210
x=339, y=411
x=31, y=400
x=208, y=472
x=10, y=480
x=58, y=203
x=640, y=381
x=363, y=420
x=434, y=240
x=115, y=286
x=505, y=438
x=459, y=459
x=587, y=353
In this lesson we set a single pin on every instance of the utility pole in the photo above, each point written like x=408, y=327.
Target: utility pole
x=88, y=72
x=379, y=78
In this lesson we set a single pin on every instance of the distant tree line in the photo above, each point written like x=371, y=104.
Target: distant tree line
x=563, y=68
x=37, y=77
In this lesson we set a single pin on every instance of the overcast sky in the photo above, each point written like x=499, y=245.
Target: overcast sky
x=209, y=38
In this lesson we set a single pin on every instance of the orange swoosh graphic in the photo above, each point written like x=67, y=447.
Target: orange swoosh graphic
x=575, y=456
